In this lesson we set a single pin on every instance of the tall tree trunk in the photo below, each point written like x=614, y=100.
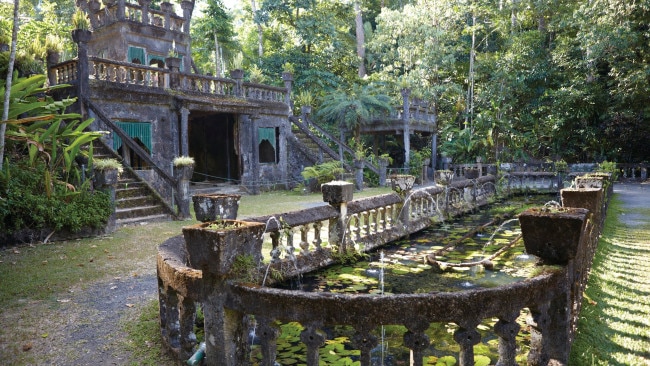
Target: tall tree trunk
x=361, y=39
x=217, y=64
x=470, y=87
x=10, y=72
x=260, y=39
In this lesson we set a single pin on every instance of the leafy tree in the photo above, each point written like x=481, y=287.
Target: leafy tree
x=213, y=38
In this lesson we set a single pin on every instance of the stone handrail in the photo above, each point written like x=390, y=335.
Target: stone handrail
x=207, y=84
x=263, y=92
x=65, y=72
x=165, y=18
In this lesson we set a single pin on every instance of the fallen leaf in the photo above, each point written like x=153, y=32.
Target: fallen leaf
x=113, y=287
x=44, y=335
x=63, y=300
x=16, y=251
x=106, y=251
x=80, y=265
x=27, y=347
x=110, y=257
x=91, y=260
x=93, y=246
x=44, y=262
x=129, y=305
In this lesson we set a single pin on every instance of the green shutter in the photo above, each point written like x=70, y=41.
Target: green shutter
x=267, y=133
x=135, y=52
x=141, y=130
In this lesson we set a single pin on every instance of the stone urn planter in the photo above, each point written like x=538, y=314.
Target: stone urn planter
x=210, y=207
x=106, y=177
x=237, y=74
x=173, y=63
x=444, y=177
x=215, y=245
x=81, y=35
x=402, y=183
x=553, y=234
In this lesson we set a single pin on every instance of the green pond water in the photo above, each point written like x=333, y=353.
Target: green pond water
x=401, y=268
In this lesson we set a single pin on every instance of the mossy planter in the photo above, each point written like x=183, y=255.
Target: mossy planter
x=81, y=35
x=209, y=207
x=444, y=177
x=402, y=183
x=215, y=250
x=106, y=177
x=553, y=234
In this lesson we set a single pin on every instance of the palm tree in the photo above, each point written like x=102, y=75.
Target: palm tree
x=352, y=108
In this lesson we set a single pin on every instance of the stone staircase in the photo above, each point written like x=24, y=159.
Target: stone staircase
x=135, y=201
x=314, y=150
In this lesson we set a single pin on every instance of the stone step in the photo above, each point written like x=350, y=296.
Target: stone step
x=142, y=219
x=139, y=211
x=131, y=192
x=135, y=201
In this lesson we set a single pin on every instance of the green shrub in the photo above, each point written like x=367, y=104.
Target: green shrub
x=609, y=167
x=24, y=206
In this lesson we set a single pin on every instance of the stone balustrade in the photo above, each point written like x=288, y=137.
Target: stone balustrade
x=306, y=240
x=65, y=72
x=128, y=73
x=164, y=18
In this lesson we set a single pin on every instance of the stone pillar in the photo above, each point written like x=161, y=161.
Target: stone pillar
x=145, y=11
x=81, y=38
x=174, y=65
x=106, y=181
x=405, y=121
x=358, y=174
x=238, y=76
x=287, y=77
x=52, y=59
x=255, y=163
x=182, y=174
x=184, y=132
x=120, y=9
x=188, y=7
x=479, y=165
x=167, y=8
x=338, y=194
x=434, y=150
x=383, y=167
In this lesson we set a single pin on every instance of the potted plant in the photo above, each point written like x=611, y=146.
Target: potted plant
x=106, y=171
x=236, y=65
x=81, y=27
x=209, y=207
x=306, y=100
x=553, y=233
x=213, y=246
x=184, y=166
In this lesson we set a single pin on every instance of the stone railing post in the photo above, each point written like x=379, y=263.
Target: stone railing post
x=358, y=174
x=188, y=7
x=52, y=59
x=238, y=76
x=383, y=168
x=338, y=194
x=121, y=6
x=182, y=174
x=106, y=181
x=81, y=38
x=287, y=77
x=479, y=165
x=145, y=10
x=174, y=65
x=406, y=114
x=167, y=8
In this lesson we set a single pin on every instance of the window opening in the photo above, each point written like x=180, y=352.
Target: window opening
x=268, y=144
x=140, y=132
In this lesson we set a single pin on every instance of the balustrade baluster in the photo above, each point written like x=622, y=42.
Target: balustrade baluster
x=372, y=222
x=291, y=250
x=357, y=228
x=317, y=235
x=417, y=340
x=381, y=219
x=275, y=243
x=507, y=329
x=364, y=341
x=467, y=338
x=539, y=322
x=390, y=211
x=268, y=334
x=304, y=244
x=365, y=224
x=313, y=338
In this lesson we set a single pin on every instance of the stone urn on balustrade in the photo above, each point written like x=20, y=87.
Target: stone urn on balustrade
x=402, y=183
x=210, y=207
x=553, y=234
x=444, y=177
x=214, y=246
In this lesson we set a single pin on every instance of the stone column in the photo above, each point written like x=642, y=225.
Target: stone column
x=52, y=59
x=145, y=11
x=255, y=163
x=188, y=7
x=106, y=181
x=287, y=77
x=167, y=8
x=383, y=167
x=358, y=174
x=81, y=37
x=184, y=132
x=338, y=194
x=174, y=65
x=479, y=165
x=238, y=76
x=405, y=121
x=120, y=9
x=182, y=174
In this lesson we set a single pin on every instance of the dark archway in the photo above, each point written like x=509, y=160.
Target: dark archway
x=213, y=145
